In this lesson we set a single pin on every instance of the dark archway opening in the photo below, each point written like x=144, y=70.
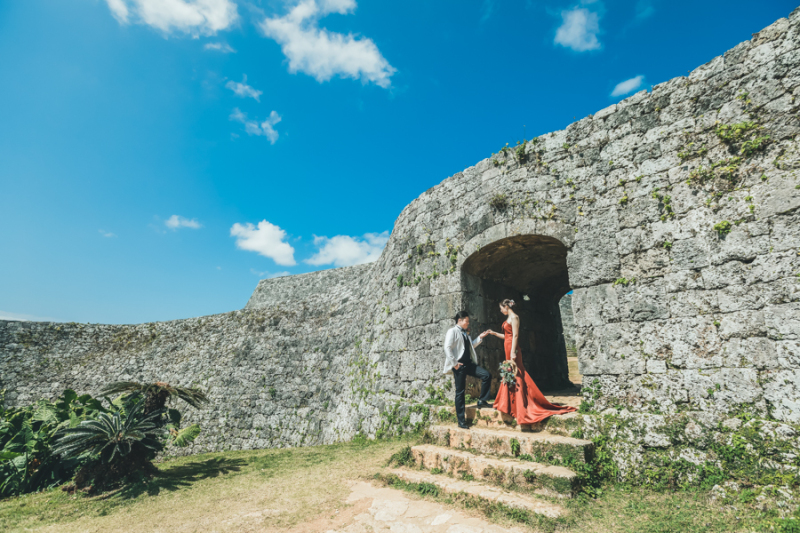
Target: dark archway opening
x=531, y=270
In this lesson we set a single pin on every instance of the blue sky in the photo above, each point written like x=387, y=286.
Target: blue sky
x=159, y=157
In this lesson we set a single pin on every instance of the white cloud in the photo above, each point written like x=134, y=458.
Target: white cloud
x=579, y=29
x=225, y=48
x=119, y=10
x=323, y=54
x=194, y=17
x=174, y=222
x=25, y=318
x=266, y=239
x=105, y=233
x=252, y=127
x=242, y=90
x=343, y=250
x=628, y=86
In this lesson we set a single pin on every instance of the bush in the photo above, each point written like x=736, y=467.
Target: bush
x=45, y=444
x=27, y=463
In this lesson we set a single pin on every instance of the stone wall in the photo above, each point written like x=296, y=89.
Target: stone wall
x=677, y=210
x=568, y=323
x=278, y=373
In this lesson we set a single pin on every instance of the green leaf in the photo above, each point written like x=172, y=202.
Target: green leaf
x=69, y=396
x=175, y=417
x=47, y=413
x=7, y=456
x=94, y=404
x=186, y=436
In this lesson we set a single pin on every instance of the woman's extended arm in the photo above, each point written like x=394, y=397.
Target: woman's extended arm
x=514, y=337
x=498, y=335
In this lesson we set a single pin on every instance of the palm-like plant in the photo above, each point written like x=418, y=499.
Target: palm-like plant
x=156, y=394
x=113, y=435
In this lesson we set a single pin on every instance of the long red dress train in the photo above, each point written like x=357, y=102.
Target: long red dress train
x=525, y=401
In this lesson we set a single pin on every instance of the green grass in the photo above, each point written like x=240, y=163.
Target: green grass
x=282, y=489
x=296, y=485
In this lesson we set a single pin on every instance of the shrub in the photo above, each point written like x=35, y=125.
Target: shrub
x=27, y=463
x=499, y=202
x=47, y=443
x=122, y=444
x=114, y=446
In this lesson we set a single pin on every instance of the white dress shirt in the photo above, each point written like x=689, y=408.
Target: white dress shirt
x=454, y=347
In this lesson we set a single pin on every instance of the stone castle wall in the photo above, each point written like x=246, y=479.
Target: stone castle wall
x=568, y=321
x=672, y=216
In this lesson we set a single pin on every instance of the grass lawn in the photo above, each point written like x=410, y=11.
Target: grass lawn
x=282, y=489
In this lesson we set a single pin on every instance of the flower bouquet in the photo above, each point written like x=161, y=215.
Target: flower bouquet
x=508, y=373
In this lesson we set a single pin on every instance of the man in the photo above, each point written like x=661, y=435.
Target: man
x=459, y=356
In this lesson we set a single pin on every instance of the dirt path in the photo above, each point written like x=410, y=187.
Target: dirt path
x=386, y=509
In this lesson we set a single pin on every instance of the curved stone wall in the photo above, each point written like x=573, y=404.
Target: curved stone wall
x=678, y=211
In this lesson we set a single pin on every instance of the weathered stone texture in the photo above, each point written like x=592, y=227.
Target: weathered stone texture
x=710, y=323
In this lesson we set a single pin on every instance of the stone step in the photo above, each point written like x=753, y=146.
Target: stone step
x=492, y=418
x=543, y=447
x=547, y=480
x=482, y=491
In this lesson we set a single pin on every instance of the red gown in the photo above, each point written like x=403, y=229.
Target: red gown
x=525, y=401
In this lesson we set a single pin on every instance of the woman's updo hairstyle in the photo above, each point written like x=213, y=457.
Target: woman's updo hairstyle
x=507, y=303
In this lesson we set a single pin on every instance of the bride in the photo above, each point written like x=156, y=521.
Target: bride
x=524, y=401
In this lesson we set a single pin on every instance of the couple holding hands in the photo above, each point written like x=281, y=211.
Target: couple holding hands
x=523, y=400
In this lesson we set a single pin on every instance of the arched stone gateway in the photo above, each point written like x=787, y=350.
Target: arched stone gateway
x=531, y=270
x=672, y=215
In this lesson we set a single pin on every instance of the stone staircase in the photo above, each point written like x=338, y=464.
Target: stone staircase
x=498, y=461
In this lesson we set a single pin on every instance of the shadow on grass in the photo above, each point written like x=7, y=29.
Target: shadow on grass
x=182, y=476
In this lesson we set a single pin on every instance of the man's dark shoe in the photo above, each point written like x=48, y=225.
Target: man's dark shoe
x=463, y=427
x=485, y=405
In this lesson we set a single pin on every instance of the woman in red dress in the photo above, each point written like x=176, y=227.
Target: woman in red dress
x=524, y=401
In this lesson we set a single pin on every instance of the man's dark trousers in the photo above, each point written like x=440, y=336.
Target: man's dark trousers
x=469, y=368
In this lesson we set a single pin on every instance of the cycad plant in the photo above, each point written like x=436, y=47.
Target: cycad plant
x=123, y=443
x=155, y=400
x=156, y=394
x=113, y=434
x=115, y=445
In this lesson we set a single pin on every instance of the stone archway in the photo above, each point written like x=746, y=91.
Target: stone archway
x=532, y=270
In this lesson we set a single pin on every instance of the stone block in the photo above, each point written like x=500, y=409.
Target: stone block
x=595, y=306
x=656, y=366
x=782, y=322
x=685, y=280
x=651, y=263
x=730, y=273
x=693, y=303
x=788, y=354
x=742, y=324
x=610, y=349
x=641, y=302
x=691, y=254
x=753, y=352
x=594, y=259
x=781, y=390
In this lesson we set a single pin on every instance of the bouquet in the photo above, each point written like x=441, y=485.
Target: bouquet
x=508, y=373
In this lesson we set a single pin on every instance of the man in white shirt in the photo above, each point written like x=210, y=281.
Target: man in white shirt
x=459, y=356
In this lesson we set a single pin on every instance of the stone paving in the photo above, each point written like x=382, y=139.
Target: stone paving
x=394, y=511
